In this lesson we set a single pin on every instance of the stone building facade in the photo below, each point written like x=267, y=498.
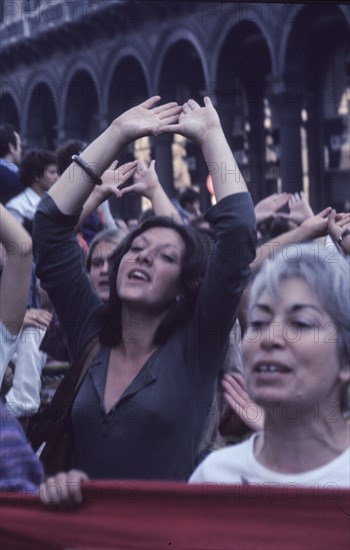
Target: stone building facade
x=279, y=75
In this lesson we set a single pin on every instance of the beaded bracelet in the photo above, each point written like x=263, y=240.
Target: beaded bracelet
x=343, y=235
x=84, y=165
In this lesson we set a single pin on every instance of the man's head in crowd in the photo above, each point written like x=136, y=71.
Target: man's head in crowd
x=189, y=200
x=39, y=170
x=10, y=144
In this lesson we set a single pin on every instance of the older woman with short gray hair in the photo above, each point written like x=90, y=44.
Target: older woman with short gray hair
x=296, y=354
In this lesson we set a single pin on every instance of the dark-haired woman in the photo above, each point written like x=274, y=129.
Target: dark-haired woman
x=140, y=411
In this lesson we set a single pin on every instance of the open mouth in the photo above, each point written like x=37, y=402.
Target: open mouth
x=271, y=368
x=138, y=275
x=103, y=284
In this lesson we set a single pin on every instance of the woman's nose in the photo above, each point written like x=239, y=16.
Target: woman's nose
x=272, y=335
x=104, y=266
x=144, y=256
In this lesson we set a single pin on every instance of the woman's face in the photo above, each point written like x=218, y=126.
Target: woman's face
x=99, y=268
x=149, y=273
x=290, y=350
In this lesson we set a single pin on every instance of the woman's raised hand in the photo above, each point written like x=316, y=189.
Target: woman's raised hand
x=196, y=122
x=268, y=206
x=146, y=119
x=316, y=226
x=113, y=177
x=299, y=207
x=145, y=181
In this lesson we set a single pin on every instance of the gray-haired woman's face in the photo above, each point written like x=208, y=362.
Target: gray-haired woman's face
x=290, y=349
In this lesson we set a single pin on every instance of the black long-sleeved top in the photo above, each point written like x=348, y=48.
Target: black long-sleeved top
x=154, y=429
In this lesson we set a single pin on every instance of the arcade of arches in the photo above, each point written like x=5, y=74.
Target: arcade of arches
x=282, y=90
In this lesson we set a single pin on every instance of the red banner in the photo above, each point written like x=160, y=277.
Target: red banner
x=122, y=515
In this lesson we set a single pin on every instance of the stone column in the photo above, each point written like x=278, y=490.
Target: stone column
x=317, y=191
x=164, y=162
x=256, y=154
x=287, y=105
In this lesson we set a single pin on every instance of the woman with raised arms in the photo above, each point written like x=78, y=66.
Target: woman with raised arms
x=141, y=408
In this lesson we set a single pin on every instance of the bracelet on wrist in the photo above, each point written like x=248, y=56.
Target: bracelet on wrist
x=343, y=235
x=84, y=165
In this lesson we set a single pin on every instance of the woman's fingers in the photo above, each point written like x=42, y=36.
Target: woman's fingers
x=235, y=387
x=343, y=221
x=125, y=171
x=63, y=490
x=132, y=188
x=74, y=481
x=207, y=101
x=168, y=110
x=324, y=213
x=239, y=400
x=148, y=104
x=193, y=105
x=235, y=379
x=39, y=318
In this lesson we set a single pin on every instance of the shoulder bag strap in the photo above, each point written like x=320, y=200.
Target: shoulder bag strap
x=65, y=393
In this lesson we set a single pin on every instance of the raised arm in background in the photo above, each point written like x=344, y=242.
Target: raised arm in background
x=268, y=207
x=147, y=184
x=111, y=178
x=311, y=228
x=15, y=276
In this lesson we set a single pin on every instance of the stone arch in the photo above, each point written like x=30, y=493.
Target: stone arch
x=181, y=75
x=292, y=16
x=41, y=117
x=251, y=20
x=166, y=45
x=88, y=65
x=81, y=104
x=243, y=64
x=319, y=78
x=127, y=85
x=112, y=67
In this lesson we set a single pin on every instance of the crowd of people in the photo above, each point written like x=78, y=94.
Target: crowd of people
x=196, y=347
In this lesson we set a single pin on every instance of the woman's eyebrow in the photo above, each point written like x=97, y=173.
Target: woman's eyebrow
x=147, y=242
x=139, y=237
x=164, y=245
x=292, y=309
x=263, y=307
x=296, y=307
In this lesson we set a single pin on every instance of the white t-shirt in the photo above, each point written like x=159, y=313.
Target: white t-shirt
x=24, y=396
x=24, y=205
x=7, y=348
x=237, y=464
